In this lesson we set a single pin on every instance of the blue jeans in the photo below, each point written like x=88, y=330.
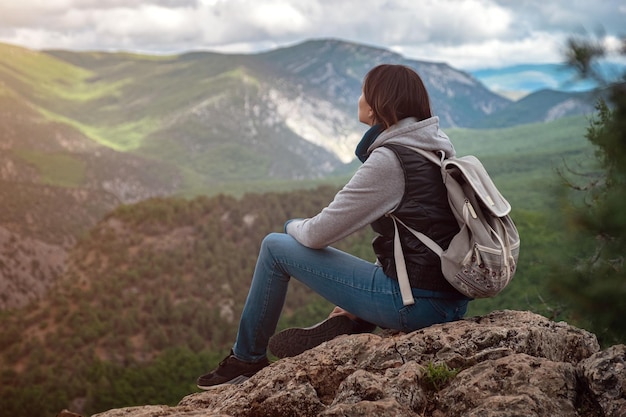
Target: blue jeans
x=356, y=285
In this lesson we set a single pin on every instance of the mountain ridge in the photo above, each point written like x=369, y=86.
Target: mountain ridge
x=305, y=94
x=96, y=151
x=84, y=132
x=530, y=78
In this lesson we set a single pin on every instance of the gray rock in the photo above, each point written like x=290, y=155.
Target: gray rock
x=604, y=374
x=509, y=363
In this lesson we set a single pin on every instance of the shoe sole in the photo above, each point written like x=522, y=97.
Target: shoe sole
x=235, y=381
x=294, y=341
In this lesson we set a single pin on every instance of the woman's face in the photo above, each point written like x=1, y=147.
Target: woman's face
x=366, y=114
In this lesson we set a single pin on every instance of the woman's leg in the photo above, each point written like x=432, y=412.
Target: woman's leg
x=333, y=274
x=354, y=284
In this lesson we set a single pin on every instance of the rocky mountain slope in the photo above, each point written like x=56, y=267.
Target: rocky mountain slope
x=541, y=106
x=509, y=363
x=118, y=128
x=83, y=132
x=197, y=119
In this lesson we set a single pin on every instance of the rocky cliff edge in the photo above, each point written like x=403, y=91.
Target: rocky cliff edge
x=507, y=363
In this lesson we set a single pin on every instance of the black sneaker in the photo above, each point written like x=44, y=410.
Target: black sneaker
x=231, y=371
x=294, y=341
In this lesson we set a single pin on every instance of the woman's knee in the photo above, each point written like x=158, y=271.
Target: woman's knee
x=275, y=242
x=276, y=250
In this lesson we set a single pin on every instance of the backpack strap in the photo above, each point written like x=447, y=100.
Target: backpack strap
x=430, y=155
x=431, y=244
x=403, y=276
x=398, y=254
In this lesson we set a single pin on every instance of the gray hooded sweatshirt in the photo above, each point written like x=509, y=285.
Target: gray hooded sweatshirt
x=375, y=189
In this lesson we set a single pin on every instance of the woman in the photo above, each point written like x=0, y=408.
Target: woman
x=393, y=179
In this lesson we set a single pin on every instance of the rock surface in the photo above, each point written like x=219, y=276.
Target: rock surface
x=510, y=363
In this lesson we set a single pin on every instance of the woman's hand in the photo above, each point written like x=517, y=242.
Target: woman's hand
x=338, y=311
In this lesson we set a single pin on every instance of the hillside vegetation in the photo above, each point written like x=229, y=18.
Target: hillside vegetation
x=524, y=160
x=159, y=280
x=153, y=180
x=186, y=123
x=151, y=295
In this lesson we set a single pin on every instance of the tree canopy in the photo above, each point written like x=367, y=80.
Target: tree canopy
x=592, y=279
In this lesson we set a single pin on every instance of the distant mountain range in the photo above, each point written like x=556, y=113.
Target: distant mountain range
x=123, y=127
x=197, y=117
x=521, y=80
x=84, y=132
x=148, y=288
x=527, y=79
x=101, y=129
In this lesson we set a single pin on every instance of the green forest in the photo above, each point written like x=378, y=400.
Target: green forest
x=153, y=294
x=150, y=301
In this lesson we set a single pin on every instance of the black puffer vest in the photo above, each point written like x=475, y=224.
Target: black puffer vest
x=425, y=208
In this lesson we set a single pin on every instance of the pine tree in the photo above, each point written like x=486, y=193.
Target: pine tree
x=594, y=284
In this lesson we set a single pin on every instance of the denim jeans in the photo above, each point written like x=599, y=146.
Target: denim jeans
x=354, y=284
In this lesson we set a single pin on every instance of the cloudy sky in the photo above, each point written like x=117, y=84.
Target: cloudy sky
x=467, y=34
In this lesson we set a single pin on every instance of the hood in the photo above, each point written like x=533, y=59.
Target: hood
x=424, y=134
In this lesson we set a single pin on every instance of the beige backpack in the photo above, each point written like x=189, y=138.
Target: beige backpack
x=482, y=258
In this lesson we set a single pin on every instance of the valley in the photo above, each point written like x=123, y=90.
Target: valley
x=136, y=190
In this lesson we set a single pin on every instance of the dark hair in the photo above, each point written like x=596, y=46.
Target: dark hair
x=395, y=92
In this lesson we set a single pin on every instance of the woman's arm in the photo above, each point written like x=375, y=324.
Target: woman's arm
x=375, y=189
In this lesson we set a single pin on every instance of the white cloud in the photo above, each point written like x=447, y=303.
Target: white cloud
x=464, y=33
x=277, y=17
x=538, y=48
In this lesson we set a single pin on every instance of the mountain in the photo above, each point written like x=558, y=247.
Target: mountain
x=218, y=104
x=529, y=78
x=185, y=123
x=84, y=132
x=335, y=69
x=92, y=130
x=541, y=106
x=148, y=298
x=114, y=288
